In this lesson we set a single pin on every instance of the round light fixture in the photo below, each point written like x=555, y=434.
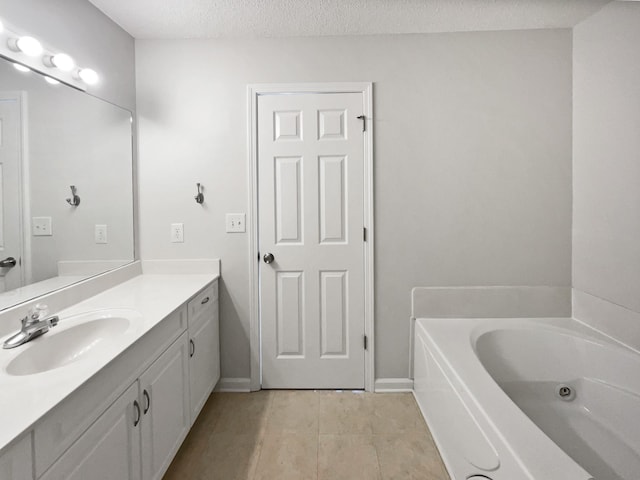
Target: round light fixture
x=88, y=76
x=51, y=81
x=63, y=62
x=21, y=68
x=29, y=46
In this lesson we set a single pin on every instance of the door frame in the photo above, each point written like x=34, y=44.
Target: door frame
x=253, y=92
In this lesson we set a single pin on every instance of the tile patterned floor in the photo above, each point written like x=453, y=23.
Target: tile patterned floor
x=307, y=435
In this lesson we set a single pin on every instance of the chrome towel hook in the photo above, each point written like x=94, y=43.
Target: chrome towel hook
x=75, y=199
x=200, y=196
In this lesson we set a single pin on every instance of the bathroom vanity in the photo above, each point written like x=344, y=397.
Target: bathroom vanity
x=116, y=386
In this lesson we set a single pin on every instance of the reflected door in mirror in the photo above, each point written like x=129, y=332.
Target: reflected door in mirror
x=10, y=192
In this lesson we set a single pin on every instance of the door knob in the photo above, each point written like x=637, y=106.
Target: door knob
x=11, y=262
x=268, y=258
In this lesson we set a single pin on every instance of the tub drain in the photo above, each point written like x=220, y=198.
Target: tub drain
x=565, y=392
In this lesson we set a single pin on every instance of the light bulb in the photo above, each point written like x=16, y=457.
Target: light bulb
x=88, y=76
x=21, y=68
x=63, y=62
x=29, y=46
x=51, y=81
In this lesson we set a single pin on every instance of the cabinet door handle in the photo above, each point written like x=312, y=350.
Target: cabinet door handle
x=204, y=300
x=147, y=398
x=193, y=348
x=136, y=419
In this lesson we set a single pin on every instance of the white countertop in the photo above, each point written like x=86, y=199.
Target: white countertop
x=25, y=399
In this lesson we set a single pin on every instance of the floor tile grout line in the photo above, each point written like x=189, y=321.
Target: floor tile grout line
x=318, y=438
x=262, y=436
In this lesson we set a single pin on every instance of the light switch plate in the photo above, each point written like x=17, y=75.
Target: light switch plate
x=177, y=232
x=41, y=226
x=100, y=233
x=235, y=223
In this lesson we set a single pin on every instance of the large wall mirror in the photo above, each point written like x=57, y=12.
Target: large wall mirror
x=53, y=137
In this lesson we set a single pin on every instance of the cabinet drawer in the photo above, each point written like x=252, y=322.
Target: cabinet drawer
x=202, y=303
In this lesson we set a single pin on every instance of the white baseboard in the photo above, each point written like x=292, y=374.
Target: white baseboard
x=382, y=385
x=388, y=385
x=234, y=385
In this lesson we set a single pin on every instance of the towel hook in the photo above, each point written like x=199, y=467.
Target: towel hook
x=75, y=199
x=200, y=196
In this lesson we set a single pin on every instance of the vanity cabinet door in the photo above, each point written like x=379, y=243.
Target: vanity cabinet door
x=16, y=462
x=204, y=359
x=164, y=400
x=109, y=449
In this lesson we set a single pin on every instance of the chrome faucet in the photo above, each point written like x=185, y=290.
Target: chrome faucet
x=33, y=325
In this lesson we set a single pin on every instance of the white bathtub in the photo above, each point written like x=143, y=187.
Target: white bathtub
x=489, y=390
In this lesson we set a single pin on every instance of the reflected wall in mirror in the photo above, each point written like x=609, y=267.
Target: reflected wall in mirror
x=53, y=136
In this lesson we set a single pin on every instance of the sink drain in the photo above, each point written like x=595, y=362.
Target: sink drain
x=565, y=392
x=478, y=477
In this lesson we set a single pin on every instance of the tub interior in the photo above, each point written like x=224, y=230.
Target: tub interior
x=594, y=418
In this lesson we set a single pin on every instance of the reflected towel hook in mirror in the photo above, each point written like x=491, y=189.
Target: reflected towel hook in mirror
x=200, y=196
x=75, y=199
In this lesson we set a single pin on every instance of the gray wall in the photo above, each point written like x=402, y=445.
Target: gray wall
x=606, y=143
x=472, y=160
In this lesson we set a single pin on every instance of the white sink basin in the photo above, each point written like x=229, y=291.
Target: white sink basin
x=74, y=339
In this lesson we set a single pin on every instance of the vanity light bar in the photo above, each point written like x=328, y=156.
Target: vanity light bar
x=27, y=52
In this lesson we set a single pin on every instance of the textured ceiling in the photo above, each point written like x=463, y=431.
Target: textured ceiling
x=268, y=18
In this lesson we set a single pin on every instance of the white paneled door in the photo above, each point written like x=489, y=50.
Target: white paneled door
x=10, y=192
x=311, y=218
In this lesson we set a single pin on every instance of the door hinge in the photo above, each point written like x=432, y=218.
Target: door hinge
x=364, y=122
x=365, y=342
x=364, y=234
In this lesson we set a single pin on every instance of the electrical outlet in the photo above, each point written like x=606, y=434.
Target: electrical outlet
x=41, y=226
x=235, y=223
x=100, y=233
x=177, y=232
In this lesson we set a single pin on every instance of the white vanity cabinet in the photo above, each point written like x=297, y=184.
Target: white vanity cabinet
x=140, y=433
x=65, y=424
x=99, y=432
x=204, y=347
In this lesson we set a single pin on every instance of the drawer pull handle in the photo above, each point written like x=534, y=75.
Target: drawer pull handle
x=136, y=419
x=193, y=348
x=204, y=300
x=146, y=396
